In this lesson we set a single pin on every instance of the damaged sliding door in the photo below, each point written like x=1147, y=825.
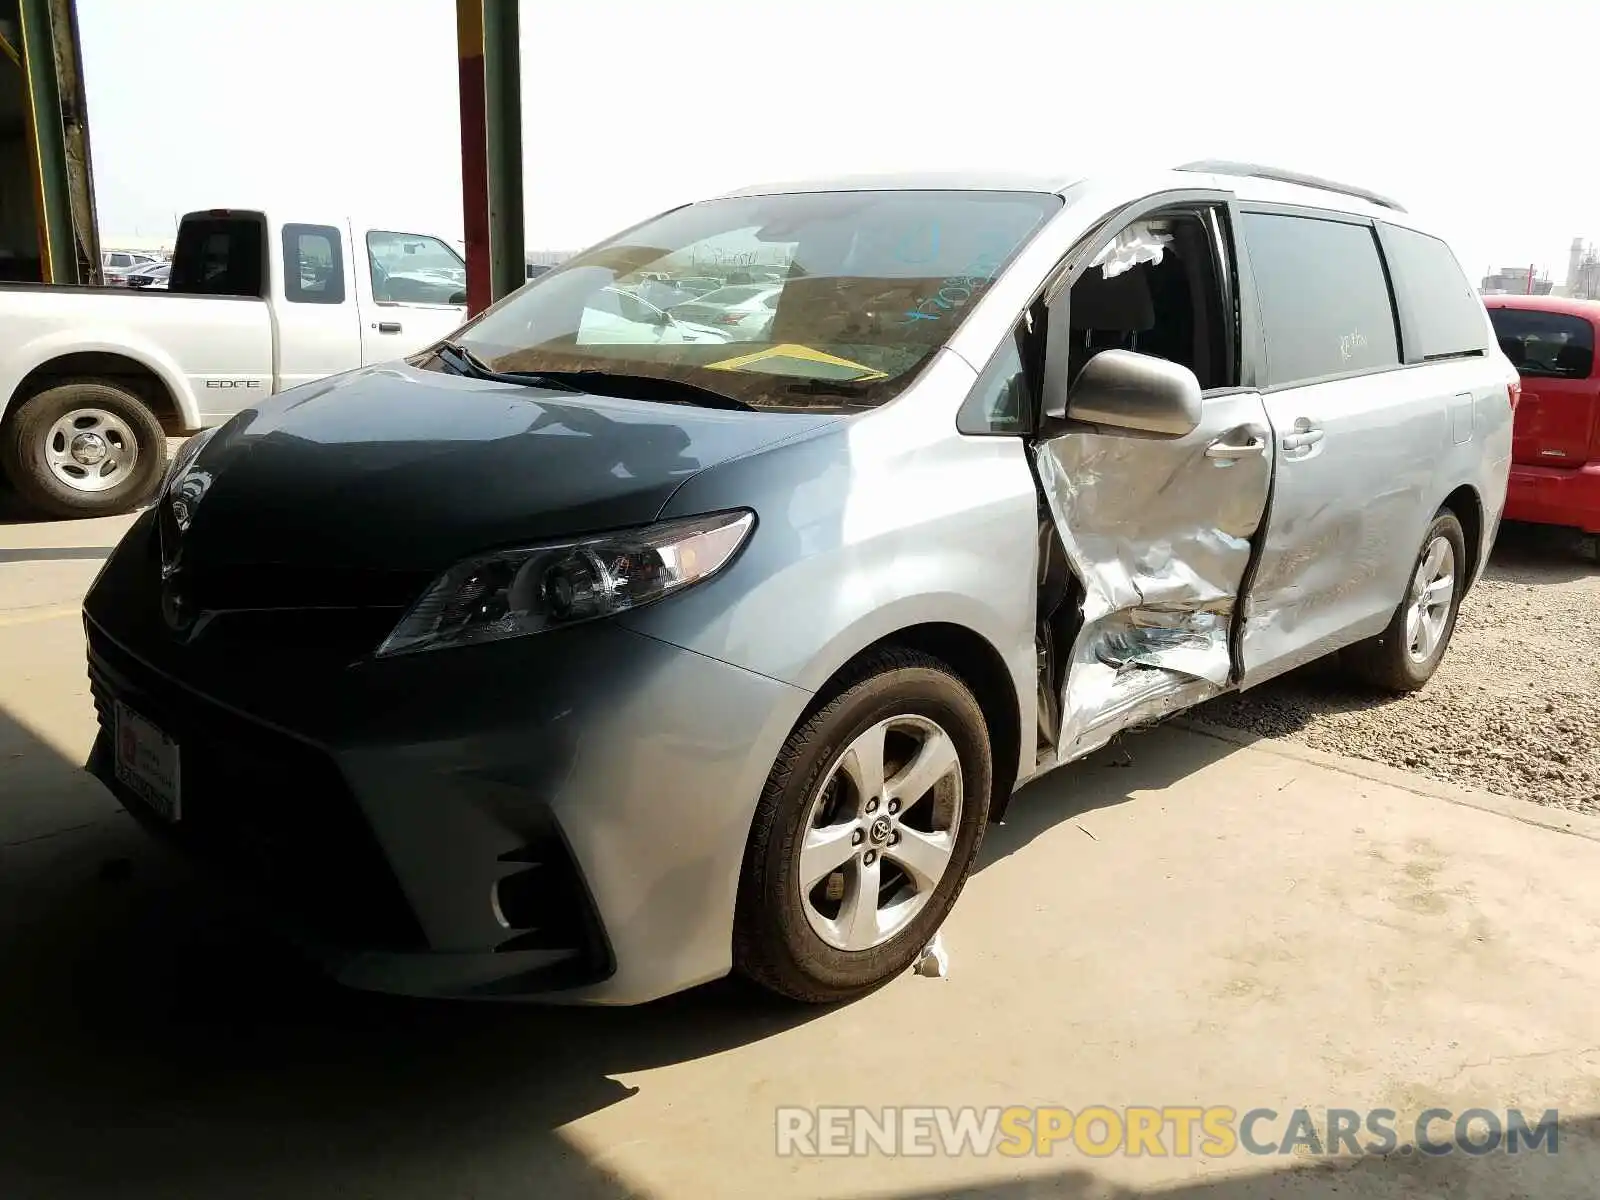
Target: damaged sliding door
x=1156, y=471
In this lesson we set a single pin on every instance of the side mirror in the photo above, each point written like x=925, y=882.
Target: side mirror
x=1136, y=392
x=458, y=298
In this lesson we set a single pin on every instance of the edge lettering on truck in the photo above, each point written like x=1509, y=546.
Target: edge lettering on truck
x=233, y=383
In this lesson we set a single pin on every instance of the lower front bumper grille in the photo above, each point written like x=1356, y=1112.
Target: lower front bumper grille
x=262, y=806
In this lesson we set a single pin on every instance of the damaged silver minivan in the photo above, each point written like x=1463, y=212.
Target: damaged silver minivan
x=581, y=659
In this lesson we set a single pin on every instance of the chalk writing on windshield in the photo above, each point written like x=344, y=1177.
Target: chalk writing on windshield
x=957, y=290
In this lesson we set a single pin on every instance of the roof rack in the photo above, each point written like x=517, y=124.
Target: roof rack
x=1216, y=166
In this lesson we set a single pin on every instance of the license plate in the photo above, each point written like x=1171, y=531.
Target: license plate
x=147, y=763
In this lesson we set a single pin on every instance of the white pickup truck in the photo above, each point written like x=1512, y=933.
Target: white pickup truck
x=92, y=379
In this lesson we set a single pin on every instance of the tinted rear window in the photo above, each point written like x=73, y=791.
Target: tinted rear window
x=219, y=256
x=1324, y=298
x=1545, y=344
x=1440, y=315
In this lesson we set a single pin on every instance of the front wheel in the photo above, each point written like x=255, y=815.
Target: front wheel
x=1405, y=655
x=83, y=448
x=865, y=832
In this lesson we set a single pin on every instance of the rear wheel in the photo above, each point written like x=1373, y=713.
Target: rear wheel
x=1405, y=655
x=83, y=448
x=865, y=833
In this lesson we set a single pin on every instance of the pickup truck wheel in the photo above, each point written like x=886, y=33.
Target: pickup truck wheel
x=83, y=448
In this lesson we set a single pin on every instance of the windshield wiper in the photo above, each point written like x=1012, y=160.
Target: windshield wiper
x=462, y=361
x=627, y=386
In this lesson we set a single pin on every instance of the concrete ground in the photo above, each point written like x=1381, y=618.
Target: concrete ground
x=1181, y=920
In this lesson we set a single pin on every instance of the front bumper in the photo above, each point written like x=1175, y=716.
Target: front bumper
x=1555, y=496
x=561, y=816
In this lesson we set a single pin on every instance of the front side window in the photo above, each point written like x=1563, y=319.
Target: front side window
x=313, y=264
x=1324, y=297
x=1545, y=345
x=866, y=286
x=413, y=268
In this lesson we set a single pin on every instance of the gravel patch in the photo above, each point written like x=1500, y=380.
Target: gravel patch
x=1514, y=708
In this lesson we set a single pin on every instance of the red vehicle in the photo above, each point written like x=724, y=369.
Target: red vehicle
x=1555, y=449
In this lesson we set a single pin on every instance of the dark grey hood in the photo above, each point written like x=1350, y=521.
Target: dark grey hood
x=401, y=469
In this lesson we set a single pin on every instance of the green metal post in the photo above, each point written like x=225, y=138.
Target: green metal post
x=58, y=252
x=502, y=81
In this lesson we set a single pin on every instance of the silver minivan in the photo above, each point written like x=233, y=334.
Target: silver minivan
x=557, y=663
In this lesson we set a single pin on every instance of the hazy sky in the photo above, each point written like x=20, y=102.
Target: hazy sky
x=1476, y=114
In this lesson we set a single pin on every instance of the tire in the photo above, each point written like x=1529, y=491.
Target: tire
x=778, y=938
x=1390, y=661
x=116, y=421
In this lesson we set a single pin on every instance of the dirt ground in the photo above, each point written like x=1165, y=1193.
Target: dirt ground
x=1514, y=708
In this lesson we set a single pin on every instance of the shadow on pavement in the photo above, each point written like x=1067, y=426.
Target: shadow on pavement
x=1135, y=762
x=1540, y=554
x=54, y=553
x=157, y=1047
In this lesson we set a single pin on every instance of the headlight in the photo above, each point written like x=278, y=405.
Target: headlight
x=187, y=453
x=512, y=593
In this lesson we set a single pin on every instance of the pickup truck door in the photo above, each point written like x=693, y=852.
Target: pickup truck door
x=1158, y=524
x=314, y=304
x=413, y=293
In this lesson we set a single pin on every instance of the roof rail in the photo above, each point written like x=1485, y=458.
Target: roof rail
x=1216, y=166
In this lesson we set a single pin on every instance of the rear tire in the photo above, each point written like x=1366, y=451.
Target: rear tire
x=906, y=850
x=1405, y=655
x=83, y=448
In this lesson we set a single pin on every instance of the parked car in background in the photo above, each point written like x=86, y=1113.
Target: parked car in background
x=555, y=661
x=1555, y=472
x=116, y=264
x=91, y=382
x=744, y=311
x=618, y=316
x=152, y=276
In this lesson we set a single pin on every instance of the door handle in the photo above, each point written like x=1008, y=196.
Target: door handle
x=388, y=326
x=1302, y=439
x=1221, y=449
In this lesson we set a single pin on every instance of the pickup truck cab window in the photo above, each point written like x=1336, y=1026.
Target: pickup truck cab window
x=313, y=264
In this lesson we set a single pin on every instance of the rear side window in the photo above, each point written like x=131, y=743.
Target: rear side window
x=1324, y=297
x=1440, y=315
x=219, y=256
x=313, y=264
x=1546, y=345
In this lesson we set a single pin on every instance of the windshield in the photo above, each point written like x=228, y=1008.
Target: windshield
x=866, y=286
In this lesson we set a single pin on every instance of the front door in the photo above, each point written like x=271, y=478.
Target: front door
x=1158, y=529
x=413, y=294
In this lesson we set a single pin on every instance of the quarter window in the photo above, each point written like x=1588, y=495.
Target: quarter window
x=1323, y=295
x=1440, y=315
x=998, y=402
x=1545, y=345
x=313, y=264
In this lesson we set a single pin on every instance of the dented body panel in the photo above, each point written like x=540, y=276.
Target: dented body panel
x=1158, y=531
